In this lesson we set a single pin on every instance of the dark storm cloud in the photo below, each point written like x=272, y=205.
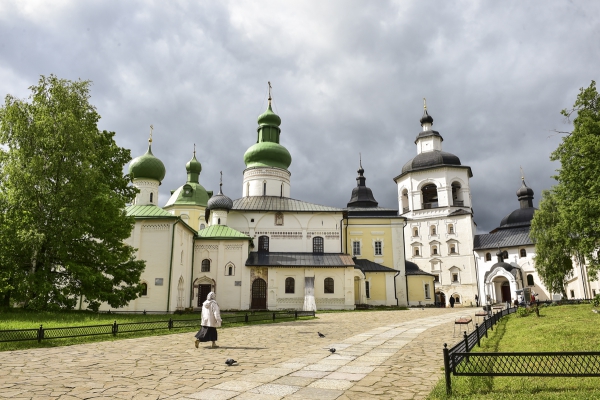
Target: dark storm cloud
x=348, y=77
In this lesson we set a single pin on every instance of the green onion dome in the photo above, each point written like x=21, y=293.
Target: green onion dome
x=193, y=166
x=267, y=152
x=147, y=166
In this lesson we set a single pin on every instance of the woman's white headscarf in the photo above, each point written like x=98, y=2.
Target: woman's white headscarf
x=211, y=296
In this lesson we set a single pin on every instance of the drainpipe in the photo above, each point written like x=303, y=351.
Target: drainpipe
x=171, y=264
x=341, y=236
x=192, y=273
x=395, y=292
x=404, y=250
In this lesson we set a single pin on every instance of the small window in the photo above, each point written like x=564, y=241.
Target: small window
x=263, y=244
x=452, y=249
x=368, y=289
x=433, y=231
x=427, y=293
x=144, y=289
x=230, y=269
x=434, y=250
x=248, y=189
x=450, y=228
x=378, y=250
x=454, y=278
x=328, y=285
x=416, y=251
x=202, y=226
x=523, y=253
x=355, y=249
x=181, y=259
x=290, y=285
x=318, y=245
x=530, y=281
x=205, y=266
x=456, y=299
x=594, y=292
x=264, y=188
x=151, y=197
x=572, y=294
x=416, y=232
x=488, y=257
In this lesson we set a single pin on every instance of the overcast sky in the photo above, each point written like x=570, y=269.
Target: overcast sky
x=348, y=77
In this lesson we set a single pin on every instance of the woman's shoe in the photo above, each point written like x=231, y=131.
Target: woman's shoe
x=214, y=346
x=197, y=343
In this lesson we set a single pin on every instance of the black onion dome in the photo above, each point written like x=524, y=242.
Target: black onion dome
x=362, y=196
x=504, y=265
x=219, y=202
x=524, y=191
x=430, y=159
x=426, y=118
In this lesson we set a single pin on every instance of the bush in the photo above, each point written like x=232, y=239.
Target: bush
x=522, y=312
x=596, y=301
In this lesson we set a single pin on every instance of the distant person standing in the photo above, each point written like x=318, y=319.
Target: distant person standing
x=211, y=320
x=476, y=301
x=452, y=301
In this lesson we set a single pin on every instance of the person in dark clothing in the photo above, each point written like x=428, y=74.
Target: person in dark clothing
x=476, y=301
x=452, y=301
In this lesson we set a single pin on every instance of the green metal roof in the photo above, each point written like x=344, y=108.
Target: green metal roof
x=221, y=232
x=147, y=211
x=274, y=203
x=190, y=194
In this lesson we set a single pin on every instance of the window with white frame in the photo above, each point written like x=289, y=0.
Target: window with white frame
x=144, y=289
x=416, y=252
x=450, y=228
x=205, y=267
x=434, y=250
x=427, y=292
x=452, y=248
x=356, y=248
x=488, y=257
x=433, y=230
x=455, y=277
x=523, y=253
x=572, y=294
x=229, y=269
x=415, y=232
x=378, y=248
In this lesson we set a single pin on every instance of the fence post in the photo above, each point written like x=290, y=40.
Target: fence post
x=314, y=313
x=115, y=328
x=296, y=314
x=485, y=323
x=273, y=316
x=447, y=369
x=466, y=338
x=40, y=334
x=246, y=318
x=170, y=323
x=477, y=330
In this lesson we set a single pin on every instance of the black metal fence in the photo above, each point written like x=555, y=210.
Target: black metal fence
x=460, y=362
x=41, y=333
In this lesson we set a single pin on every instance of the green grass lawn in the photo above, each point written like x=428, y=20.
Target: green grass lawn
x=23, y=319
x=559, y=328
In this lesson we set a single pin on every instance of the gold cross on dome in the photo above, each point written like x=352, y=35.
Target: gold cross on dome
x=269, y=83
x=424, y=103
x=151, y=129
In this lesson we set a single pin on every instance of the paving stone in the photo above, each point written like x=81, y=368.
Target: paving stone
x=238, y=386
x=279, y=390
x=346, y=376
x=213, y=394
x=337, y=384
x=294, y=380
x=311, y=374
x=316, y=393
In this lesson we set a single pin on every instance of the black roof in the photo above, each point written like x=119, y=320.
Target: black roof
x=519, y=217
x=370, y=266
x=293, y=259
x=371, y=212
x=413, y=269
x=362, y=196
x=432, y=159
x=518, y=236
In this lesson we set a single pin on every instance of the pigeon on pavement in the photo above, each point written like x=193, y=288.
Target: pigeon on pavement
x=320, y=334
x=332, y=350
x=230, y=361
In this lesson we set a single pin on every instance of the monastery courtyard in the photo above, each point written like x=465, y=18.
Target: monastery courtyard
x=379, y=355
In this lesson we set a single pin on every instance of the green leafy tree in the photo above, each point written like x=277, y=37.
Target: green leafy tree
x=569, y=215
x=63, y=194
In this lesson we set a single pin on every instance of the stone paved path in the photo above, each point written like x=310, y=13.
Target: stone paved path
x=379, y=355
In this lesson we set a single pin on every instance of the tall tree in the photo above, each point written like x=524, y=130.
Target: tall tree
x=63, y=194
x=572, y=209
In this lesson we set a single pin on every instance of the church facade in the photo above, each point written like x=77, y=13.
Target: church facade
x=267, y=250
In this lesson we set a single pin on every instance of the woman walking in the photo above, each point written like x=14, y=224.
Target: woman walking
x=211, y=320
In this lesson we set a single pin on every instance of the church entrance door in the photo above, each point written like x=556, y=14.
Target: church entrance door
x=203, y=291
x=259, y=295
x=441, y=299
x=505, y=292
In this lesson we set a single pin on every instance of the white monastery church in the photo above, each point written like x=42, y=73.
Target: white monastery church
x=267, y=250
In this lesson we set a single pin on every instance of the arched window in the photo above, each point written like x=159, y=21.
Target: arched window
x=450, y=228
x=416, y=251
x=457, y=199
x=263, y=244
x=523, y=253
x=202, y=226
x=434, y=250
x=281, y=195
x=144, y=289
x=430, y=196
x=229, y=269
x=416, y=232
x=488, y=257
x=456, y=298
x=205, y=266
x=318, y=245
x=328, y=285
x=218, y=221
x=530, y=281
x=248, y=189
x=151, y=197
x=264, y=188
x=180, y=293
x=405, y=201
x=433, y=230
x=290, y=285
x=452, y=248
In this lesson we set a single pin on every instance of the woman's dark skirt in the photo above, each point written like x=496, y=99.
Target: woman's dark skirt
x=210, y=336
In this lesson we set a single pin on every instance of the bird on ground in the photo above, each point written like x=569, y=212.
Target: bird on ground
x=332, y=350
x=320, y=334
x=230, y=361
